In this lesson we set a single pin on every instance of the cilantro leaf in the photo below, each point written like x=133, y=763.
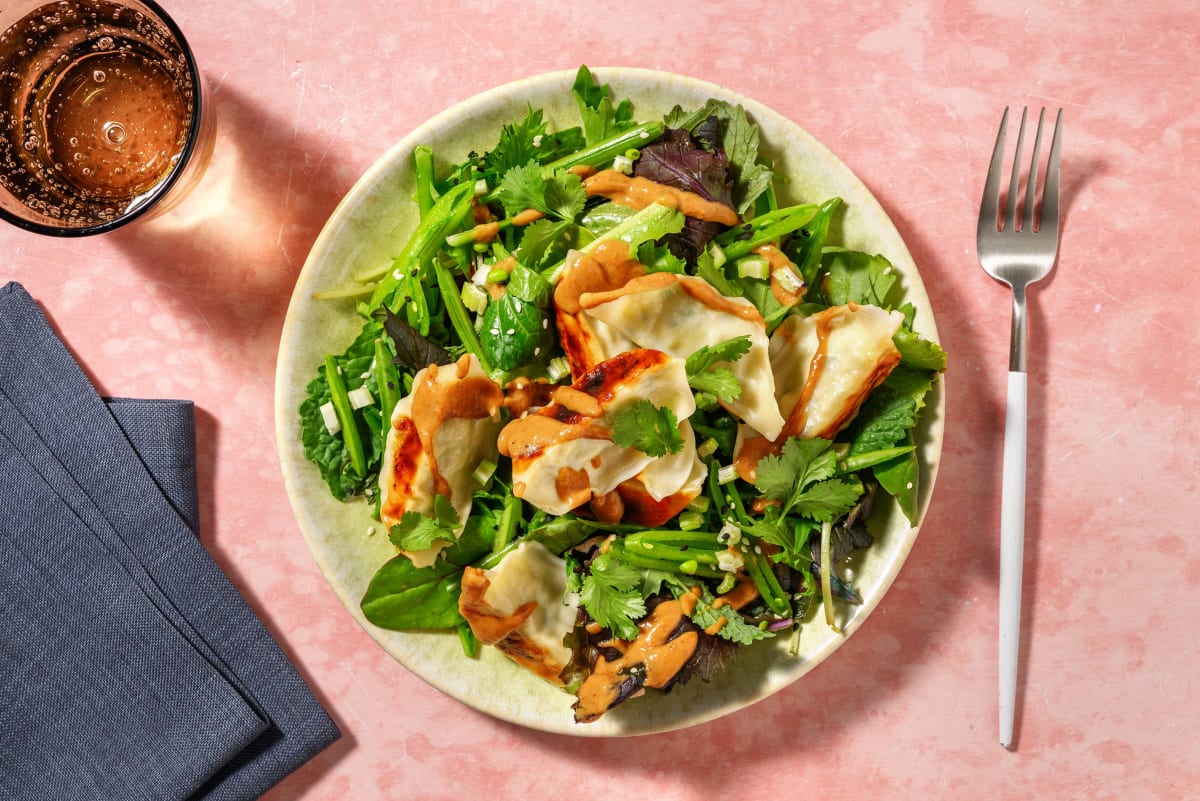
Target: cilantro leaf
x=801, y=462
x=729, y=350
x=704, y=375
x=561, y=195
x=522, y=187
x=735, y=628
x=651, y=429
x=524, y=141
x=827, y=500
x=612, y=594
x=417, y=532
x=565, y=195
x=545, y=242
x=720, y=382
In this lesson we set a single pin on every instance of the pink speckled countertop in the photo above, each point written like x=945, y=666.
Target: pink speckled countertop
x=908, y=95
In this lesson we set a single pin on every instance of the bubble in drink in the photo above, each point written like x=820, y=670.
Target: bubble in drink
x=102, y=111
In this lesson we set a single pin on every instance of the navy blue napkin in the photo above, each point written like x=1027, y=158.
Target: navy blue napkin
x=130, y=668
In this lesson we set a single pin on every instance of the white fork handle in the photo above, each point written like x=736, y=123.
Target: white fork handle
x=1012, y=547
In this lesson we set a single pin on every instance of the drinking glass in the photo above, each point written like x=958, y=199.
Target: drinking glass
x=104, y=116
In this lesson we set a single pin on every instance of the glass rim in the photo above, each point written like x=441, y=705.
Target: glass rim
x=163, y=187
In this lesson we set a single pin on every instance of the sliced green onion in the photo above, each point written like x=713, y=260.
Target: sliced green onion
x=690, y=520
x=730, y=561
x=706, y=448
x=558, y=368
x=717, y=253
x=726, y=474
x=498, y=275
x=633, y=154
x=484, y=472
x=753, y=267
x=730, y=534
x=474, y=298
x=623, y=164
x=788, y=279
x=727, y=583
x=481, y=187
x=699, y=503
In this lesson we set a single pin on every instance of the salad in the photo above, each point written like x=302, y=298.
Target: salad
x=620, y=410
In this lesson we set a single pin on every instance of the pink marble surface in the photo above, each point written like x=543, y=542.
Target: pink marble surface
x=310, y=93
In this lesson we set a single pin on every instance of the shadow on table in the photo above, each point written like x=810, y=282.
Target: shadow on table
x=232, y=248
x=229, y=254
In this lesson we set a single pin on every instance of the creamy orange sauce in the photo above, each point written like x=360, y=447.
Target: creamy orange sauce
x=661, y=657
x=608, y=508
x=433, y=403
x=576, y=401
x=528, y=436
x=573, y=486
x=485, y=232
x=776, y=260
x=608, y=266
x=527, y=216
x=582, y=170
x=638, y=193
x=522, y=394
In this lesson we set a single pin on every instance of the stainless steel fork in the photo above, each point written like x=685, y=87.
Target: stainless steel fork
x=1016, y=250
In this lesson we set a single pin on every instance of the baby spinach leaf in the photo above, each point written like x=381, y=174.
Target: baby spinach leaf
x=404, y=597
x=515, y=332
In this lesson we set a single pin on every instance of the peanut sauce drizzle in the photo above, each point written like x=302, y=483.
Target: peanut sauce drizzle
x=434, y=403
x=638, y=193
x=661, y=656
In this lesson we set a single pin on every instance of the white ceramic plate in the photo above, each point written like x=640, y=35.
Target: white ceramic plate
x=369, y=228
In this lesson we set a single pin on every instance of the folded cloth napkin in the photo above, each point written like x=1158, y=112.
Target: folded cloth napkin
x=130, y=668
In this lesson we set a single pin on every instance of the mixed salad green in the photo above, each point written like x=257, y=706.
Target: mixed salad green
x=477, y=283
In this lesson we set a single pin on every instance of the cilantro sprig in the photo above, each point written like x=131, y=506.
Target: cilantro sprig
x=704, y=374
x=561, y=195
x=653, y=430
x=418, y=532
x=611, y=593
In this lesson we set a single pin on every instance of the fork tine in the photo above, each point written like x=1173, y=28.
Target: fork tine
x=988, y=207
x=1010, y=211
x=1050, y=194
x=1031, y=185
